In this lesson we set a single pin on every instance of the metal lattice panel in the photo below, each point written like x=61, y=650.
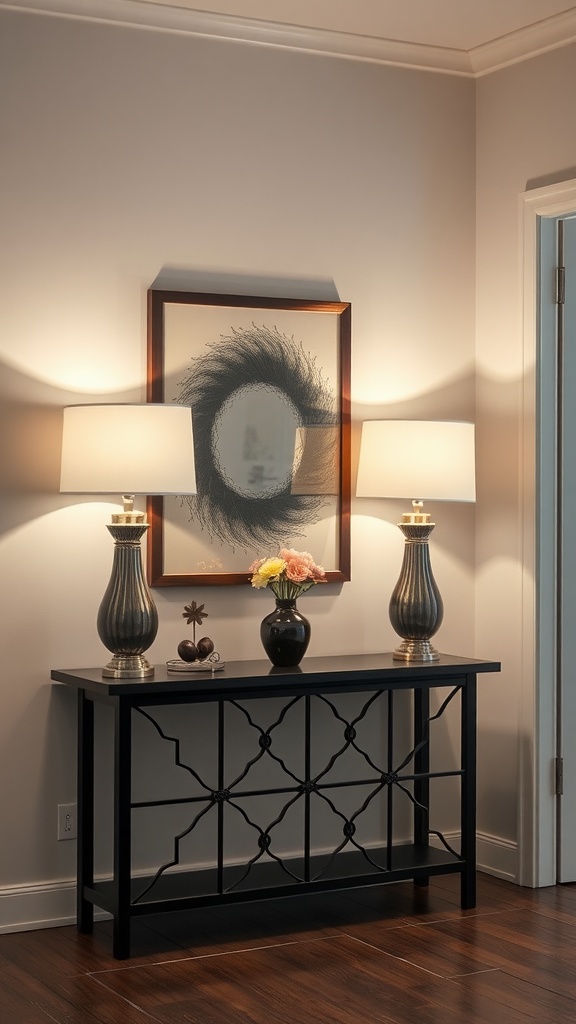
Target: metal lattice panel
x=406, y=778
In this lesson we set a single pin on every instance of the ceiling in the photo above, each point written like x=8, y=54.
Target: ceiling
x=467, y=37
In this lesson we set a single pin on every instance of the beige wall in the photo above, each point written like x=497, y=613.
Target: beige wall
x=132, y=157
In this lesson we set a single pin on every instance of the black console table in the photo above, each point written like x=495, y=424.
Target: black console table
x=309, y=696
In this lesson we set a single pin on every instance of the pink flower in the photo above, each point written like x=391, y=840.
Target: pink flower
x=297, y=571
x=300, y=566
x=289, y=574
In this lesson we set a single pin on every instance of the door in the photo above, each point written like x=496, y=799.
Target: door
x=566, y=550
x=547, y=832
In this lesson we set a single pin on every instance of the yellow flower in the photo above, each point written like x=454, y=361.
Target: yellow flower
x=269, y=570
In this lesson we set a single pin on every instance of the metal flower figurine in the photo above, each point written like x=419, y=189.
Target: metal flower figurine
x=189, y=650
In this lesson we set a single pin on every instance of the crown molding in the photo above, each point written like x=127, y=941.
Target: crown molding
x=550, y=34
x=481, y=60
x=267, y=33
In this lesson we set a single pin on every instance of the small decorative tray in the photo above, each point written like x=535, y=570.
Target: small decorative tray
x=176, y=665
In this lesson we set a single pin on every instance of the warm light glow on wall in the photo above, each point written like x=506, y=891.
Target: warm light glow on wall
x=393, y=369
x=72, y=348
x=80, y=370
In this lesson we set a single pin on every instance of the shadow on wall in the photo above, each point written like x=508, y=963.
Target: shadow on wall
x=30, y=451
x=454, y=401
x=497, y=769
x=188, y=279
x=499, y=467
x=493, y=404
x=29, y=463
x=31, y=430
x=31, y=410
x=551, y=179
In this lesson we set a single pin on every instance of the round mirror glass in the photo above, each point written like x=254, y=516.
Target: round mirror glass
x=253, y=441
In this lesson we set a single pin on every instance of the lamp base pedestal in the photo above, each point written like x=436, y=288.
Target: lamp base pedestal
x=416, y=651
x=128, y=667
x=416, y=607
x=127, y=618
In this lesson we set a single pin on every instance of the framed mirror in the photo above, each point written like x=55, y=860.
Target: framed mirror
x=268, y=381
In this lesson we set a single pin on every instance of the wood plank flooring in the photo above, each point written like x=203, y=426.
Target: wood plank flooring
x=394, y=954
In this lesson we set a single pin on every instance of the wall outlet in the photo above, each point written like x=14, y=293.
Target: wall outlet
x=66, y=821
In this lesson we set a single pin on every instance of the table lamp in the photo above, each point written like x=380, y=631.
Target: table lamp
x=127, y=450
x=416, y=459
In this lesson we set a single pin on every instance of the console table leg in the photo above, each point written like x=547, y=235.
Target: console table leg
x=121, y=937
x=122, y=828
x=468, y=794
x=421, y=767
x=85, y=800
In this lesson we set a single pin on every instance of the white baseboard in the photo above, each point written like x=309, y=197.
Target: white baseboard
x=53, y=904
x=497, y=857
x=25, y=908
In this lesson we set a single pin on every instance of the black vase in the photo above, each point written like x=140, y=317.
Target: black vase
x=285, y=634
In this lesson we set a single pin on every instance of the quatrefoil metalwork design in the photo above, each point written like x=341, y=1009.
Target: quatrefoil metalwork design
x=301, y=787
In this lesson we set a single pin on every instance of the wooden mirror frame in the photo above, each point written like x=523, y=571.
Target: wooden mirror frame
x=157, y=302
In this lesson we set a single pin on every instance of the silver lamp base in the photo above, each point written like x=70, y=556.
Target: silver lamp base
x=131, y=667
x=416, y=650
x=127, y=618
x=416, y=608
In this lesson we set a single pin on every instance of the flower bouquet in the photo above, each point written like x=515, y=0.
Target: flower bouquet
x=288, y=575
x=285, y=632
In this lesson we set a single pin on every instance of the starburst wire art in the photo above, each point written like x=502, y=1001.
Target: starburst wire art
x=277, y=362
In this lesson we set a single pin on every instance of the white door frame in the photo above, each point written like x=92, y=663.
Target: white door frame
x=537, y=727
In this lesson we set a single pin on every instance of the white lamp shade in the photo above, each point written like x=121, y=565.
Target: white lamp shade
x=417, y=460
x=128, y=449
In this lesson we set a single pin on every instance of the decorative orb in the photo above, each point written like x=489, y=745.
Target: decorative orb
x=205, y=647
x=187, y=650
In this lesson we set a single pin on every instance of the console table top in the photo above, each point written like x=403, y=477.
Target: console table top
x=258, y=676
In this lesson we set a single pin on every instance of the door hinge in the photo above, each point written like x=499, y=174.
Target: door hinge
x=559, y=773
x=560, y=285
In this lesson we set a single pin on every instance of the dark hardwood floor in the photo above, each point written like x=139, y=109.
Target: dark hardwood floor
x=395, y=954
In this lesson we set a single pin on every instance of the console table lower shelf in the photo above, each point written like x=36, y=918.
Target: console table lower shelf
x=309, y=709
x=187, y=889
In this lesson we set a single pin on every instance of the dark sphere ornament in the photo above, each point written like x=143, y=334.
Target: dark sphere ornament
x=204, y=647
x=187, y=650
